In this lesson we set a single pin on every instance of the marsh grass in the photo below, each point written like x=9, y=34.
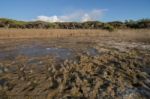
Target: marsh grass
x=48, y=33
x=126, y=34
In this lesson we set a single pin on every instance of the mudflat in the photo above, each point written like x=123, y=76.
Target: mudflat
x=76, y=66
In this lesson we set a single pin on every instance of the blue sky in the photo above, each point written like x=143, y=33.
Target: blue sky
x=75, y=10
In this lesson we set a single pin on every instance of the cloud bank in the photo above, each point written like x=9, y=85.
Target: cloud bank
x=79, y=15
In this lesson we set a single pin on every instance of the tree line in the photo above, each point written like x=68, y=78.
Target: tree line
x=138, y=24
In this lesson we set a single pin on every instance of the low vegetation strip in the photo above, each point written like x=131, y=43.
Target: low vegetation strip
x=127, y=34
x=44, y=33
x=9, y=23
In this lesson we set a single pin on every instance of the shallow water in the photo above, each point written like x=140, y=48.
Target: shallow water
x=38, y=51
x=61, y=53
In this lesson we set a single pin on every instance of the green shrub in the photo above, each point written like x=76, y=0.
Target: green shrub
x=108, y=27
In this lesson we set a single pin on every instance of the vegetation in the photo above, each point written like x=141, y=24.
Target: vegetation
x=82, y=63
x=9, y=23
x=110, y=75
x=129, y=34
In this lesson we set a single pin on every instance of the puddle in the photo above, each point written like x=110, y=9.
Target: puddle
x=8, y=55
x=61, y=53
x=40, y=51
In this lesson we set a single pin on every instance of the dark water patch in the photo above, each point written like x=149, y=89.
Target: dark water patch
x=37, y=51
x=60, y=53
x=10, y=55
x=41, y=50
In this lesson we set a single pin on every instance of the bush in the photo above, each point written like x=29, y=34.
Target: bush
x=108, y=27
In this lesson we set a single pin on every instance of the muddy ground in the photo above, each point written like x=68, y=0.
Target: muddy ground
x=74, y=68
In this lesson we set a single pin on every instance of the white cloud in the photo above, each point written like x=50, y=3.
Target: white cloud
x=86, y=17
x=79, y=15
x=49, y=19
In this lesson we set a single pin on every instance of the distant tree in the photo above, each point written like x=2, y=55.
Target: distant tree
x=131, y=24
x=9, y=23
x=144, y=23
x=108, y=27
x=117, y=24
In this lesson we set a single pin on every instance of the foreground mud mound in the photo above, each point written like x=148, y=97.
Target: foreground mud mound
x=111, y=75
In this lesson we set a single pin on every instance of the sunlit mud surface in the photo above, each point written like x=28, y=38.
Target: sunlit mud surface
x=75, y=68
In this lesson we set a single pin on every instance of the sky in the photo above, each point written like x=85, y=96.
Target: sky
x=74, y=10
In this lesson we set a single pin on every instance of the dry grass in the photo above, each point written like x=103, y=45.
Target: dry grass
x=134, y=34
x=45, y=33
x=128, y=34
